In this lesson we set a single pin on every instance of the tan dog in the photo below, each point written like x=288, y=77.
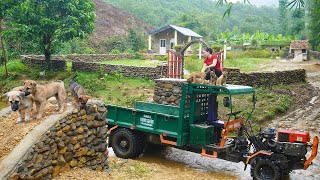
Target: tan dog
x=78, y=93
x=20, y=101
x=192, y=77
x=222, y=80
x=42, y=93
x=213, y=78
x=201, y=81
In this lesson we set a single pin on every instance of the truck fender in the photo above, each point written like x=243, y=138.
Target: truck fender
x=255, y=154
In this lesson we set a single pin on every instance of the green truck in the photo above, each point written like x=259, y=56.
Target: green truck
x=195, y=126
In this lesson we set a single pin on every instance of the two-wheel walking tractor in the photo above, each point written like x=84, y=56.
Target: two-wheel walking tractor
x=195, y=126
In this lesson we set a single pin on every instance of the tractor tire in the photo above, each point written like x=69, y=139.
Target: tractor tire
x=127, y=144
x=265, y=169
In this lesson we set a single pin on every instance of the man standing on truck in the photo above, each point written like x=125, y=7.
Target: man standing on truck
x=211, y=63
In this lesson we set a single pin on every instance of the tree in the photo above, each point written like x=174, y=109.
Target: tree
x=298, y=23
x=314, y=24
x=5, y=7
x=136, y=40
x=283, y=19
x=51, y=22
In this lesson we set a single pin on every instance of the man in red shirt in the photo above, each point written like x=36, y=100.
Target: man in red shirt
x=211, y=63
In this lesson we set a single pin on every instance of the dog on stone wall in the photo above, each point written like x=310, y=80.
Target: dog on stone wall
x=222, y=80
x=213, y=78
x=192, y=77
x=41, y=93
x=20, y=102
x=78, y=93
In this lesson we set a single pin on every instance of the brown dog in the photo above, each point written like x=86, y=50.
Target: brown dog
x=222, y=80
x=42, y=93
x=78, y=93
x=213, y=78
x=20, y=101
x=192, y=77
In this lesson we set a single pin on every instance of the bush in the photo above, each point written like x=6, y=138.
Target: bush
x=216, y=47
x=137, y=55
x=178, y=47
x=115, y=51
x=193, y=63
x=251, y=54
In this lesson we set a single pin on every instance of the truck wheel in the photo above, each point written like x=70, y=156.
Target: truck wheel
x=126, y=144
x=265, y=169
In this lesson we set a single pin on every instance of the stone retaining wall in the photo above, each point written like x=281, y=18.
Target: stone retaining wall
x=39, y=62
x=78, y=140
x=168, y=91
x=89, y=57
x=314, y=54
x=266, y=78
x=128, y=71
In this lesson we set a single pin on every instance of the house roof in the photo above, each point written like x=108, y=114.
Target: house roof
x=299, y=44
x=182, y=30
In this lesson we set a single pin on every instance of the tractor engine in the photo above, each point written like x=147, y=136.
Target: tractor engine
x=290, y=144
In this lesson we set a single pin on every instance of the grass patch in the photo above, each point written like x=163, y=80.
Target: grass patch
x=134, y=62
x=269, y=104
x=194, y=64
x=247, y=64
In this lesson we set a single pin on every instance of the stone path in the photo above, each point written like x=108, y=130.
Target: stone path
x=5, y=111
x=11, y=160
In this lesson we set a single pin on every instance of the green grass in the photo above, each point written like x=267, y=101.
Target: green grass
x=114, y=88
x=269, y=104
x=247, y=64
x=134, y=62
x=193, y=64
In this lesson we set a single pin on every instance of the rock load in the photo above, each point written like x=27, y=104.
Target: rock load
x=78, y=140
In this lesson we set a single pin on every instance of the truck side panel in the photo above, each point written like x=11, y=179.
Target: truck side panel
x=147, y=121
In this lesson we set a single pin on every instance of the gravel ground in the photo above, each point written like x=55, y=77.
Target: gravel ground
x=12, y=133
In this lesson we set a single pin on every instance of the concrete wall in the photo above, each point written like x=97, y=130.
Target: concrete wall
x=78, y=140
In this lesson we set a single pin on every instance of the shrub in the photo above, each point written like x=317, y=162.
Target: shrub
x=137, y=55
x=178, y=47
x=251, y=54
x=216, y=47
x=115, y=51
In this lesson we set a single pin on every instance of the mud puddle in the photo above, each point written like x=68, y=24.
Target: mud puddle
x=191, y=163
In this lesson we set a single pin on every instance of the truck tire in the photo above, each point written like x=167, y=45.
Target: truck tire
x=265, y=169
x=127, y=144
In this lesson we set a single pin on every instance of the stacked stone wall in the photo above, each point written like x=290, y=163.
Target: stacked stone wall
x=314, y=54
x=90, y=57
x=37, y=62
x=78, y=140
x=128, y=71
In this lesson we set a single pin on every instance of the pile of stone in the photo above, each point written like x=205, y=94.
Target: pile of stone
x=168, y=91
x=78, y=140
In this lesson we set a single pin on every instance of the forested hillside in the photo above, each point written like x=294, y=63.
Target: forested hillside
x=205, y=17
